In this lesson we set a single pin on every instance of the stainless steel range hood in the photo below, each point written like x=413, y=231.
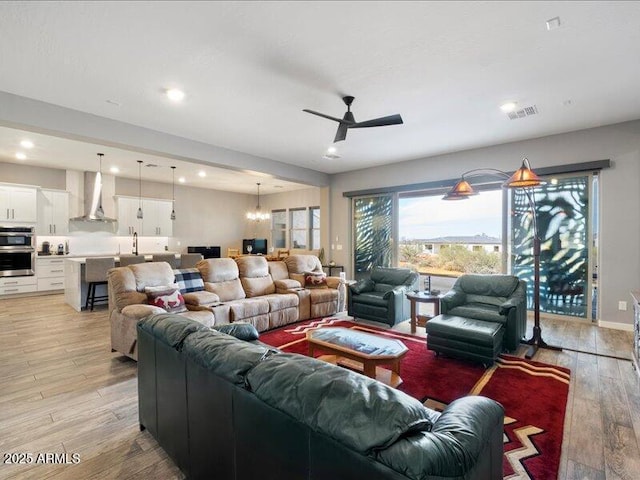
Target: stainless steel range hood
x=94, y=219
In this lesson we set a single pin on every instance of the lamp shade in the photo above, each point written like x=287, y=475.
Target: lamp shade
x=460, y=191
x=523, y=177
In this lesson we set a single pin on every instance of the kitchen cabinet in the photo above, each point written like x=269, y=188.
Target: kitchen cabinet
x=53, y=212
x=128, y=223
x=13, y=285
x=18, y=204
x=50, y=273
x=157, y=221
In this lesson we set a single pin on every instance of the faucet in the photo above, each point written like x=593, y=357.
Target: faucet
x=135, y=243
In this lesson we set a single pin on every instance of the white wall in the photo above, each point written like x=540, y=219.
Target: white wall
x=619, y=267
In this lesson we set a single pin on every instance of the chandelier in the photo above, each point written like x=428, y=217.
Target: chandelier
x=258, y=215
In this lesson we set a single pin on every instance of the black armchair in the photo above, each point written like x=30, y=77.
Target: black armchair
x=493, y=298
x=381, y=297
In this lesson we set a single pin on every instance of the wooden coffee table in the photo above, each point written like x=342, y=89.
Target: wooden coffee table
x=360, y=351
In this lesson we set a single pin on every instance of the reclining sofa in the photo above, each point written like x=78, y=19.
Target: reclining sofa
x=249, y=289
x=225, y=408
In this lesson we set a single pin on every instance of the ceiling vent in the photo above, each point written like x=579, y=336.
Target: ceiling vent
x=151, y=165
x=331, y=156
x=523, y=112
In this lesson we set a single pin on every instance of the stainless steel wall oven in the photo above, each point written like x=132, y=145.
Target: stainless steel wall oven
x=17, y=251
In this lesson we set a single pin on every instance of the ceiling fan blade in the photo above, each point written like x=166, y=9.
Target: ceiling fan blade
x=341, y=134
x=379, y=122
x=339, y=120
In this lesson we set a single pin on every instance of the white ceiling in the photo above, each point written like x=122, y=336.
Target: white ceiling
x=249, y=68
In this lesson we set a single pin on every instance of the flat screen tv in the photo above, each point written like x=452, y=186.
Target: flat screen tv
x=258, y=245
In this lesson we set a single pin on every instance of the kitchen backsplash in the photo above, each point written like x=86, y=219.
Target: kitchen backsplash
x=103, y=244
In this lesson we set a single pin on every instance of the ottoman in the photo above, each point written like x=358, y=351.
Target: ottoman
x=466, y=338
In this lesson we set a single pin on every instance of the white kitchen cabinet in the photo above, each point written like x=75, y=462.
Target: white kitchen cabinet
x=18, y=204
x=53, y=212
x=157, y=221
x=13, y=285
x=50, y=273
x=128, y=223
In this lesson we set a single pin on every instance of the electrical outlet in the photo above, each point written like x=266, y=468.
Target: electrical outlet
x=338, y=247
x=622, y=306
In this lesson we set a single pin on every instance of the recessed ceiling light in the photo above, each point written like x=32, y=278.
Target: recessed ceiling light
x=26, y=144
x=114, y=170
x=182, y=180
x=202, y=173
x=554, y=181
x=508, y=107
x=21, y=156
x=331, y=150
x=175, y=95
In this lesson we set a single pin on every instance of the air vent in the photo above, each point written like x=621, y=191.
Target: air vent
x=331, y=156
x=524, y=112
x=152, y=165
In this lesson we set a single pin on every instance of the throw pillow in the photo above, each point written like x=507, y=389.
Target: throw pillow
x=315, y=280
x=167, y=297
x=364, y=285
x=189, y=280
x=240, y=330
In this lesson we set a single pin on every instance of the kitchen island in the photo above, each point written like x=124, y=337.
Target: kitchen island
x=75, y=286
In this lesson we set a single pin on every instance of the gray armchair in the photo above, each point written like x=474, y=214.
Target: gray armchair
x=381, y=297
x=493, y=298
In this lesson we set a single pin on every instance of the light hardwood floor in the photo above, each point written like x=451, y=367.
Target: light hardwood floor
x=63, y=391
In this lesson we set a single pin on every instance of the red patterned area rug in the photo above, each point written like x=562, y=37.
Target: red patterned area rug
x=533, y=394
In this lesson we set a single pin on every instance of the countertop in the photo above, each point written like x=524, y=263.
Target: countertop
x=83, y=258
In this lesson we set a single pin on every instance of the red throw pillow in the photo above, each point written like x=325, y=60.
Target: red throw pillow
x=315, y=280
x=166, y=297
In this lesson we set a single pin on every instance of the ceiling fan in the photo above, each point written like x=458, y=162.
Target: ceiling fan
x=349, y=121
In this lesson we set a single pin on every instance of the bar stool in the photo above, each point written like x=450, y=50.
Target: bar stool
x=131, y=259
x=189, y=260
x=170, y=258
x=96, y=274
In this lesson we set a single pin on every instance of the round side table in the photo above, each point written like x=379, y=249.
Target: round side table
x=422, y=297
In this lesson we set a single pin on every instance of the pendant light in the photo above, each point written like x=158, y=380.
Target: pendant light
x=139, y=214
x=257, y=215
x=99, y=210
x=173, y=193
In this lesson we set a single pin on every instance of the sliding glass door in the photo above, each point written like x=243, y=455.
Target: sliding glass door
x=564, y=226
x=373, y=233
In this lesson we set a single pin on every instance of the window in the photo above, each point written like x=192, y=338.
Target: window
x=299, y=227
x=279, y=228
x=373, y=233
x=314, y=215
x=564, y=223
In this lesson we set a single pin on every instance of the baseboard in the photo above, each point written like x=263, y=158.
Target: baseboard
x=627, y=327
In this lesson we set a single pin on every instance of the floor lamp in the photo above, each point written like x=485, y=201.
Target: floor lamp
x=523, y=178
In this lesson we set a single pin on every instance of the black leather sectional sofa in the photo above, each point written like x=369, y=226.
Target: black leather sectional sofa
x=224, y=408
